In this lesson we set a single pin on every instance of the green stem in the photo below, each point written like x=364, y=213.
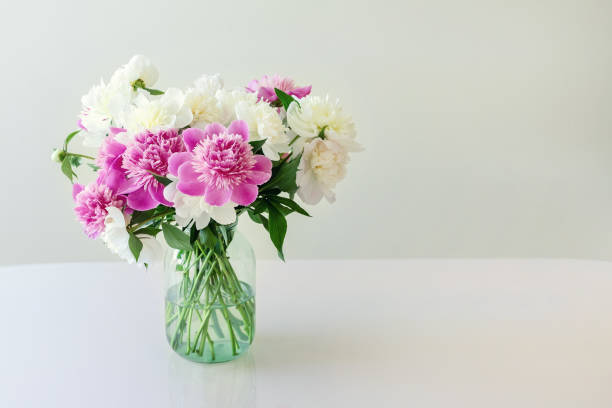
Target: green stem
x=160, y=215
x=80, y=155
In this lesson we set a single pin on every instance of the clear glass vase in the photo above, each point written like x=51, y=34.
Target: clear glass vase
x=210, y=296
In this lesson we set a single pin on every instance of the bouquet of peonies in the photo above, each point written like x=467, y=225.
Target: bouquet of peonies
x=177, y=168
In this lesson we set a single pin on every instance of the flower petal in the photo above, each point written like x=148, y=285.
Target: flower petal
x=267, y=94
x=239, y=127
x=244, y=194
x=141, y=200
x=176, y=160
x=224, y=214
x=213, y=129
x=217, y=196
x=258, y=177
x=262, y=163
x=188, y=181
x=76, y=189
x=191, y=137
x=301, y=92
x=157, y=192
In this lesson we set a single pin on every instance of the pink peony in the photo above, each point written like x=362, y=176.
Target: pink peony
x=92, y=202
x=148, y=154
x=220, y=165
x=264, y=88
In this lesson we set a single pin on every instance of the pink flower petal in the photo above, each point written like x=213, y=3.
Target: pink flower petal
x=267, y=94
x=157, y=192
x=239, y=127
x=76, y=189
x=258, y=177
x=262, y=163
x=301, y=92
x=252, y=86
x=191, y=137
x=141, y=200
x=188, y=181
x=116, y=130
x=218, y=197
x=244, y=194
x=213, y=129
x=176, y=160
x=128, y=186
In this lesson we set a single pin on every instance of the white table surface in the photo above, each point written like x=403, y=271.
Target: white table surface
x=417, y=333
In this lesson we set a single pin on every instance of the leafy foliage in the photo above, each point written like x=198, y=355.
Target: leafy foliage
x=175, y=237
x=135, y=245
x=67, y=168
x=69, y=138
x=285, y=99
x=277, y=227
x=283, y=177
x=256, y=145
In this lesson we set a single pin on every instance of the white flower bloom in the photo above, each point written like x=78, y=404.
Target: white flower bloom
x=116, y=238
x=194, y=208
x=314, y=114
x=139, y=67
x=102, y=106
x=263, y=120
x=157, y=112
x=322, y=166
x=202, y=100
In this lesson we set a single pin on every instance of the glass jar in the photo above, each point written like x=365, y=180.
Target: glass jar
x=210, y=295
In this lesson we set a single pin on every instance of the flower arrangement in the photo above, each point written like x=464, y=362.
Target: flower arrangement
x=177, y=168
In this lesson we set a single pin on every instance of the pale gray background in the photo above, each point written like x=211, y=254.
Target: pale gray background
x=487, y=124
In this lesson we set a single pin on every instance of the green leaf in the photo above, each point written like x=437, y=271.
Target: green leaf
x=291, y=204
x=256, y=145
x=259, y=206
x=69, y=138
x=277, y=228
x=163, y=180
x=148, y=231
x=135, y=245
x=175, y=237
x=285, y=99
x=93, y=166
x=208, y=238
x=284, y=177
x=153, y=91
x=259, y=219
x=140, y=216
x=67, y=168
x=75, y=161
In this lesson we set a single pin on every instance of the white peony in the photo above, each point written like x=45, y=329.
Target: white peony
x=102, y=106
x=314, y=114
x=322, y=166
x=138, y=68
x=116, y=238
x=106, y=105
x=202, y=100
x=263, y=120
x=194, y=208
x=156, y=113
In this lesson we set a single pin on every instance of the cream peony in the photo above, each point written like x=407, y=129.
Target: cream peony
x=116, y=238
x=138, y=68
x=156, y=113
x=314, y=114
x=203, y=102
x=263, y=120
x=101, y=108
x=322, y=166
